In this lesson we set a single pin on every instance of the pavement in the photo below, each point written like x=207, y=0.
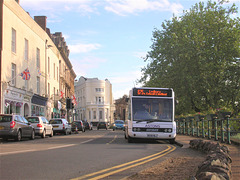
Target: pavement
x=234, y=148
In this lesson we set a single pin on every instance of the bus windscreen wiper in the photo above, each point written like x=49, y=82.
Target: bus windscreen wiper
x=157, y=120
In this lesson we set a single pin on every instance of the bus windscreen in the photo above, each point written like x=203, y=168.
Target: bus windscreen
x=152, y=109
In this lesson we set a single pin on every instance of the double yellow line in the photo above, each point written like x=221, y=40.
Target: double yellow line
x=122, y=167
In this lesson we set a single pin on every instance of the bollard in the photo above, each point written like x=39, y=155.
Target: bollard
x=192, y=122
x=184, y=127
x=226, y=116
x=228, y=130
x=209, y=133
x=212, y=118
x=222, y=131
x=215, y=130
x=197, y=128
x=203, y=133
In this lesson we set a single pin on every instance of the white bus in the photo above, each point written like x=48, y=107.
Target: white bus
x=151, y=114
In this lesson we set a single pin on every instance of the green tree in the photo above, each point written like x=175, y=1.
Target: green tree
x=198, y=55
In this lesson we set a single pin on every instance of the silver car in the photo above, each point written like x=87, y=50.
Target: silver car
x=41, y=125
x=61, y=126
x=15, y=126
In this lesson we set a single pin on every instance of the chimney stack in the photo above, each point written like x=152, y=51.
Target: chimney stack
x=42, y=21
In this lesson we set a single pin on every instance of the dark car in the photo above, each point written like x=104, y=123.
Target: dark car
x=101, y=125
x=88, y=125
x=16, y=127
x=118, y=124
x=78, y=125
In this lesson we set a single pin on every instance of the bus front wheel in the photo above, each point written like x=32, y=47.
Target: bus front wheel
x=130, y=140
x=172, y=141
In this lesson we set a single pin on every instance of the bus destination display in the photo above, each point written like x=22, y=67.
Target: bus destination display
x=152, y=92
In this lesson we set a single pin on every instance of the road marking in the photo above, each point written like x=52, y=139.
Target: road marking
x=16, y=152
x=57, y=147
x=113, y=139
x=86, y=141
x=34, y=150
x=127, y=165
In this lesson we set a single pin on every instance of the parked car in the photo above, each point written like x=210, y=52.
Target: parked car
x=78, y=125
x=15, y=126
x=41, y=125
x=61, y=126
x=118, y=124
x=101, y=125
x=88, y=125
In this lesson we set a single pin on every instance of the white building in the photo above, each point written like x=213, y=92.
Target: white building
x=94, y=100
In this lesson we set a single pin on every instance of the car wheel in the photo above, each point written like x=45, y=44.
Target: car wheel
x=32, y=135
x=5, y=139
x=51, y=135
x=65, y=132
x=125, y=136
x=44, y=133
x=19, y=136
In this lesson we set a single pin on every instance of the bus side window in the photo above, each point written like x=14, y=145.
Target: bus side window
x=129, y=109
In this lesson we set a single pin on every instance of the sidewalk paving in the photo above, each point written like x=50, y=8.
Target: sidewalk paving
x=234, y=149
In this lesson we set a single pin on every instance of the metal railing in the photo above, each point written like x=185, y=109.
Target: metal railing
x=211, y=126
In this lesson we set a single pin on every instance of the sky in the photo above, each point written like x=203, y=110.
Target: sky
x=108, y=39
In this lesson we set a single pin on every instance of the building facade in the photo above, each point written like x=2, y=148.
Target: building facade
x=121, y=106
x=94, y=100
x=31, y=64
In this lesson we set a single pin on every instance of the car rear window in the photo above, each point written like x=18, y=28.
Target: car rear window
x=4, y=118
x=33, y=119
x=55, y=121
x=119, y=122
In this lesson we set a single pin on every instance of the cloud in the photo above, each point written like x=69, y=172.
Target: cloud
x=84, y=65
x=124, y=79
x=57, y=7
x=141, y=55
x=83, y=48
x=125, y=7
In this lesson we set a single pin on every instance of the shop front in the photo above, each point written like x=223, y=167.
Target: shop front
x=38, y=106
x=15, y=101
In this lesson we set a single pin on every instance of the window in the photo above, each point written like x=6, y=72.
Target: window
x=57, y=73
x=26, y=50
x=90, y=115
x=99, y=100
x=99, y=89
x=38, y=85
x=48, y=89
x=48, y=65
x=54, y=70
x=94, y=115
x=100, y=114
x=13, y=82
x=13, y=40
x=38, y=57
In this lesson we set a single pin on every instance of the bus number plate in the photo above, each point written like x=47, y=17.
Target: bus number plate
x=152, y=135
